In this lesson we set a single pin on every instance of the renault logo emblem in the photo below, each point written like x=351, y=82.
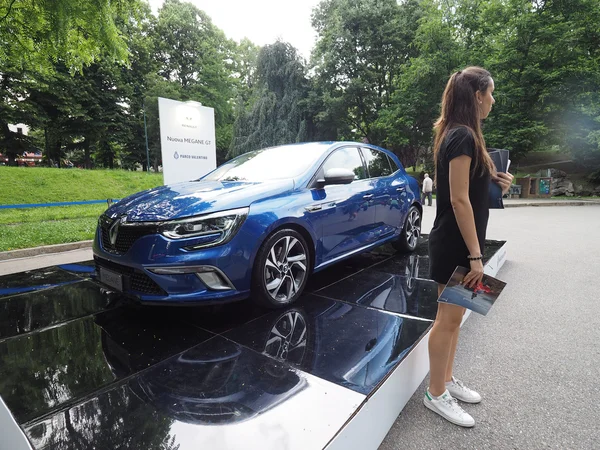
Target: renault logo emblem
x=113, y=232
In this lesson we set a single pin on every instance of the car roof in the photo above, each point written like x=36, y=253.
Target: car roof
x=326, y=145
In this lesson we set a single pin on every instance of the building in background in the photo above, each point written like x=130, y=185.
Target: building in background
x=32, y=157
x=19, y=128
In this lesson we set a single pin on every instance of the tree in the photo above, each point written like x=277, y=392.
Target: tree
x=36, y=34
x=50, y=101
x=135, y=78
x=360, y=50
x=245, y=56
x=196, y=55
x=406, y=125
x=583, y=137
x=539, y=83
x=276, y=114
x=81, y=113
x=542, y=89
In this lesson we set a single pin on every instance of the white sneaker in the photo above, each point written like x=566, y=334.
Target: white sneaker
x=458, y=390
x=447, y=407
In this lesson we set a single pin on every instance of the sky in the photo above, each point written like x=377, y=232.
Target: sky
x=261, y=21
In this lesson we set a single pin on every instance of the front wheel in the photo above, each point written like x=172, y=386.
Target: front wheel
x=281, y=269
x=409, y=237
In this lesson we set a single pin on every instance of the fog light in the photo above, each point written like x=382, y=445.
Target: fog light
x=214, y=281
x=212, y=277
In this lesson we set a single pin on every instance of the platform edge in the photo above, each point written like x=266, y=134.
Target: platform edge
x=375, y=417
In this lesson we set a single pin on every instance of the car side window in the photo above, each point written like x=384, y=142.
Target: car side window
x=346, y=158
x=377, y=162
x=393, y=164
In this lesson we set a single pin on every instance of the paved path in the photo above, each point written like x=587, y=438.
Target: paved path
x=536, y=357
x=50, y=259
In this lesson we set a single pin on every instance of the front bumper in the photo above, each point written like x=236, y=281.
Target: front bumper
x=154, y=269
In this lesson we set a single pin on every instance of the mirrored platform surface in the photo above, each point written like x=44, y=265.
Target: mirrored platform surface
x=394, y=293
x=35, y=280
x=348, y=345
x=82, y=367
x=217, y=395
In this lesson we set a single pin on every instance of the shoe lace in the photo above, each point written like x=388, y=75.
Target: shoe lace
x=453, y=404
x=460, y=384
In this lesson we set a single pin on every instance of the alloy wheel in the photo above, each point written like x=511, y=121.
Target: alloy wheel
x=413, y=228
x=285, y=268
x=288, y=337
x=412, y=271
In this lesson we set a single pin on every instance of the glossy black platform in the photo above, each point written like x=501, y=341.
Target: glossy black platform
x=82, y=368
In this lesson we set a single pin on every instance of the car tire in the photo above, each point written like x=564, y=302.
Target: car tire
x=281, y=269
x=411, y=231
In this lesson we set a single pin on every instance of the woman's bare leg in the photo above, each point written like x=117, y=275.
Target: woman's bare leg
x=453, y=346
x=442, y=344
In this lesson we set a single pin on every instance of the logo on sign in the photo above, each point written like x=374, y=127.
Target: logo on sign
x=190, y=121
x=176, y=155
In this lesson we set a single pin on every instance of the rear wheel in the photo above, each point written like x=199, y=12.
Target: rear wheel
x=281, y=269
x=409, y=237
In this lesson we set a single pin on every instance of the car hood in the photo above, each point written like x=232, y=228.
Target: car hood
x=193, y=198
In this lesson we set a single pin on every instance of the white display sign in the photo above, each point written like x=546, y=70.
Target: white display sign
x=187, y=140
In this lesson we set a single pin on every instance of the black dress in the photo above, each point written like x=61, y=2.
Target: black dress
x=447, y=248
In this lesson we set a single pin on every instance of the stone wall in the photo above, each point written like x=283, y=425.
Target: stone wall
x=561, y=185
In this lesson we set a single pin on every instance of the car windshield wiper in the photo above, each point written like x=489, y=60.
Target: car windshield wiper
x=234, y=178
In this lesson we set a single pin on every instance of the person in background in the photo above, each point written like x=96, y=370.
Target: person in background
x=427, y=190
x=464, y=170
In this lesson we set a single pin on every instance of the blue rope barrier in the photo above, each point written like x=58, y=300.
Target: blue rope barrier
x=44, y=205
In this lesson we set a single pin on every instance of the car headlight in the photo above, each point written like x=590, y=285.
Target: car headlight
x=217, y=228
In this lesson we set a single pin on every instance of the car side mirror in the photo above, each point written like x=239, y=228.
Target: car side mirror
x=336, y=176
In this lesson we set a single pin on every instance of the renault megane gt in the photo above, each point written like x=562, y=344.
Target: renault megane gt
x=258, y=225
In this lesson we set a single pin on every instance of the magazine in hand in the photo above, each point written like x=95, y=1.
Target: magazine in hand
x=481, y=299
x=501, y=161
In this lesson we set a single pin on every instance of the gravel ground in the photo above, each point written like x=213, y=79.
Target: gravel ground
x=536, y=357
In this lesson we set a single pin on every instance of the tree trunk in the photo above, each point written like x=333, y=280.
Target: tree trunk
x=54, y=146
x=46, y=144
x=86, y=149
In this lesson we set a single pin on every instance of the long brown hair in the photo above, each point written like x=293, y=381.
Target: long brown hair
x=459, y=108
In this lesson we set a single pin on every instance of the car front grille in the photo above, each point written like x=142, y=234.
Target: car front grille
x=133, y=280
x=140, y=282
x=126, y=235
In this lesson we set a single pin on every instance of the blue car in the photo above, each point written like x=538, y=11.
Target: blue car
x=258, y=225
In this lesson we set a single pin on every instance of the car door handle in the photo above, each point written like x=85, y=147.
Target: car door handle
x=401, y=189
x=368, y=196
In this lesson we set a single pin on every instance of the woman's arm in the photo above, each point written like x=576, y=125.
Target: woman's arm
x=463, y=211
x=459, y=196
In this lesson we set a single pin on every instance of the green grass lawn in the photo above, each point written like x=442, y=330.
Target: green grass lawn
x=45, y=185
x=32, y=227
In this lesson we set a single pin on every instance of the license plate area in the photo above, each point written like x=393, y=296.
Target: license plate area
x=112, y=279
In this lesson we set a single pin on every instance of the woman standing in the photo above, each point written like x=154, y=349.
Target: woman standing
x=464, y=170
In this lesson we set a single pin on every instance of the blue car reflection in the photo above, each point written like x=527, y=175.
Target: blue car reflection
x=257, y=226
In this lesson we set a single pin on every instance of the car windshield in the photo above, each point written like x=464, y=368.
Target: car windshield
x=275, y=163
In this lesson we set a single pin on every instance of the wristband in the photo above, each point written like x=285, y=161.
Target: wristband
x=475, y=258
